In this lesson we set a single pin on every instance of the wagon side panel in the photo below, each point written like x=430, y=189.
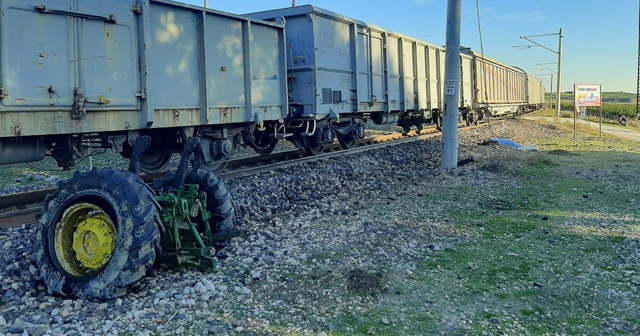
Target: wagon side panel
x=37, y=57
x=108, y=55
x=266, y=73
x=173, y=57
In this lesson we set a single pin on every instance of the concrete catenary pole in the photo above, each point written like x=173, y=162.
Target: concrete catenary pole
x=452, y=87
x=551, y=97
x=559, y=86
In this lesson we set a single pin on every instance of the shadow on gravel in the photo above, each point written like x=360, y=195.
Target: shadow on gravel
x=360, y=281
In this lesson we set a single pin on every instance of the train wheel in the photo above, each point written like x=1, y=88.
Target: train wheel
x=314, y=150
x=214, y=167
x=297, y=141
x=347, y=141
x=471, y=119
x=219, y=200
x=98, y=235
x=439, y=123
x=263, y=143
x=314, y=144
x=153, y=163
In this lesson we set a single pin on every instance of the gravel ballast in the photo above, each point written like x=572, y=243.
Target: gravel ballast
x=322, y=241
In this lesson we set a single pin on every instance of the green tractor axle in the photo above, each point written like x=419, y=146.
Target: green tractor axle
x=183, y=242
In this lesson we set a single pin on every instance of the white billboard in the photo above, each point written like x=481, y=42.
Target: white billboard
x=587, y=95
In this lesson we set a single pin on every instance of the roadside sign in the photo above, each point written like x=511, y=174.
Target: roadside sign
x=587, y=95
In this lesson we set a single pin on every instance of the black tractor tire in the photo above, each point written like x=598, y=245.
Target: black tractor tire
x=130, y=206
x=219, y=199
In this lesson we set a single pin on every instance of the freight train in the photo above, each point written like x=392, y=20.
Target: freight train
x=149, y=79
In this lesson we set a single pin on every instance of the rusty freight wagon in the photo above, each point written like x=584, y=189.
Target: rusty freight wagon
x=146, y=79
x=74, y=72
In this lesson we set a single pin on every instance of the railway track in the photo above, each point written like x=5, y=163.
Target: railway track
x=22, y=208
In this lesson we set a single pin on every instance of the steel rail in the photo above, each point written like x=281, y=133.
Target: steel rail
x=22, y=208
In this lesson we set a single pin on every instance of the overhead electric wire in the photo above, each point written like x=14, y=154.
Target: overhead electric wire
x=484, y=69
x=507, y=31
x=547, y=14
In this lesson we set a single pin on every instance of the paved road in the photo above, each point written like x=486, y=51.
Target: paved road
x=628, y=133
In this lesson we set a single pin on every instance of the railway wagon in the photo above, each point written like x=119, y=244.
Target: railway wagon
x=343, y=71
x=499, y=89
x=146, y=79
x=75, y=74
x=535, y=93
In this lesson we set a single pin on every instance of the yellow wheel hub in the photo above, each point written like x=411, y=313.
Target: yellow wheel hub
x=84, y=239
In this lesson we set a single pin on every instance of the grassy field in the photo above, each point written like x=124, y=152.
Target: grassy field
x=552, y=249
x=36, y=173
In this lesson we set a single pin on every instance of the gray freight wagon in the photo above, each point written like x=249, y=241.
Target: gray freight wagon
x=344, y=69
x=77, y=73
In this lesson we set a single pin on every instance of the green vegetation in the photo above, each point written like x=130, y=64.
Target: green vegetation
x=614, y=104
x=25, y=174
x=607, y=97
x=559, y=257
x=607, y=109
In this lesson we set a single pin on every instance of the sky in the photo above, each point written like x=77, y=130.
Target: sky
x=600, y=37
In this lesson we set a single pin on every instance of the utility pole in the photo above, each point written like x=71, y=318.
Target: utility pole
x=638, y=87
x=452, y=87
x=206, y=3
x=558, y=101
x=552, y=72
x=543, y=79
x=293, y=3
x=559, y=52
x=551, y=96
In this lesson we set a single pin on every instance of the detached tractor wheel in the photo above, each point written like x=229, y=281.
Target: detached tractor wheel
x=98, y=235
x=219, y=200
